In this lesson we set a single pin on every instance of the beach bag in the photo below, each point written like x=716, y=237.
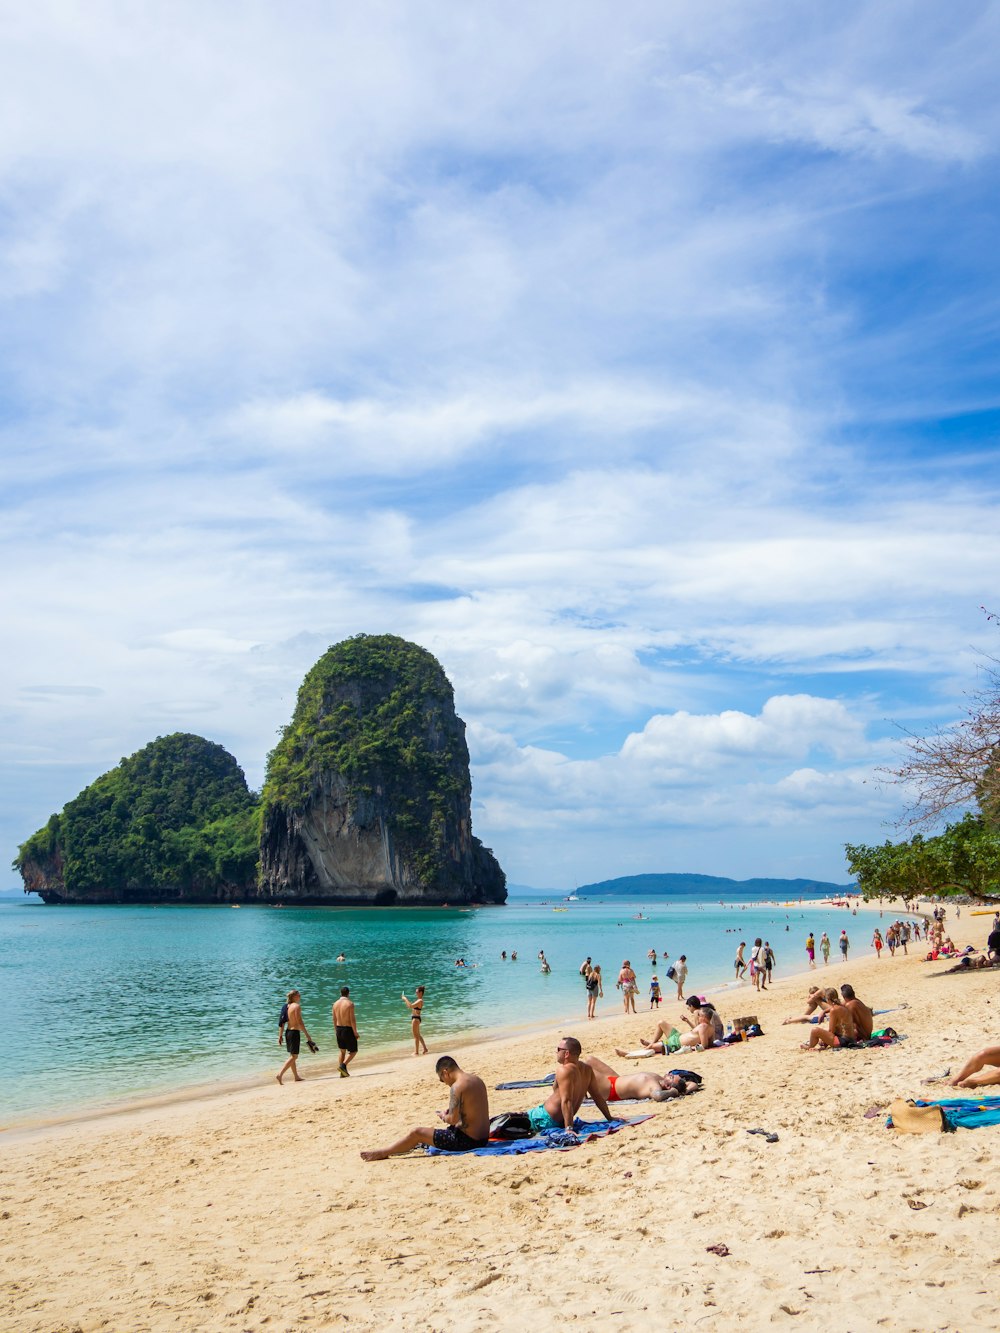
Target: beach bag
x=672, y=972
x=510, y=1125
x=909, y=1118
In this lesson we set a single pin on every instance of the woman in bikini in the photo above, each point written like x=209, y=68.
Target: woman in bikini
x=595, y=989
x=416, y=1008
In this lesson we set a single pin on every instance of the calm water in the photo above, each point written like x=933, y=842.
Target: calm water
x=111, y=1002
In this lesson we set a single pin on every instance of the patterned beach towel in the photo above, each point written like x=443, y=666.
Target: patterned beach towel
x=964, y=1112
x=584, y=1131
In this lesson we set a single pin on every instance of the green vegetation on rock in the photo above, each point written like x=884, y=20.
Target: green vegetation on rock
x=175, y=820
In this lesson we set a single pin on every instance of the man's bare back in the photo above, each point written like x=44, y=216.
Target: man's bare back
x=471, y=1100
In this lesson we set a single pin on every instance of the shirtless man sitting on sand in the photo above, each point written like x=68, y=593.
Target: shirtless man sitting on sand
x=864, y=1019
x=467, y=1118
x=574, y=1081
x=975, y=1074
x=639, y=1087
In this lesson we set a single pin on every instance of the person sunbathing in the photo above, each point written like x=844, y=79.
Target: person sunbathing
x=980, y=1070
x=656, y=1045
x=639, y=1087
x=705, y=1024
x=706, y=1029
x=813, y=1000
x=841, y=1029
x=574, y=1080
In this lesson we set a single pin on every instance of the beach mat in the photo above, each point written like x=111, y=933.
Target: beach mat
x=584, y=1131
x=959, y=1112
x=545, y=1082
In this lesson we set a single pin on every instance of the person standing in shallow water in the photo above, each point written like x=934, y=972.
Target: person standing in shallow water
x=824, y=947
x=811, y=949
x=416, y=1008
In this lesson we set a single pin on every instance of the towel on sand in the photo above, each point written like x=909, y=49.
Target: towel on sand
x=545, y=1082
x=964, y=1112
x=583, y=1132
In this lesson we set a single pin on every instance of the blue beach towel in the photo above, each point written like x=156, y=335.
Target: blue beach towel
x=965, y=1112
x=545, y=1082
x=583, y=1132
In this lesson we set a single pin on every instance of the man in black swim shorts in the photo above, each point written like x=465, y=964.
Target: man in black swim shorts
x=345, y=1025
x=467, y=1118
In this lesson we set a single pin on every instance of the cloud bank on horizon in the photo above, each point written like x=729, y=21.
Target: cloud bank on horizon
x=641, y=365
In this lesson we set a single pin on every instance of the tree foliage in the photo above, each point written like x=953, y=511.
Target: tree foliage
x=174, y=816
x=964, y=859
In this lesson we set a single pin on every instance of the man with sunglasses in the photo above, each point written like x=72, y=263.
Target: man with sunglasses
x=574, y=1081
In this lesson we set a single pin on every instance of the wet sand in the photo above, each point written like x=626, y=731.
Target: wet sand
x=252, y=1209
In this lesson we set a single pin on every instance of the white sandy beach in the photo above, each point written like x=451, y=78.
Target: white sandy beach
x=253, y=1209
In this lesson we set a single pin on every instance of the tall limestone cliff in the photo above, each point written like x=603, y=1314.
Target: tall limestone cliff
x=175, y=822
x=368, y=794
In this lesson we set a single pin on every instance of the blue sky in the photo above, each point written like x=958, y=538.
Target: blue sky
x=640, y=363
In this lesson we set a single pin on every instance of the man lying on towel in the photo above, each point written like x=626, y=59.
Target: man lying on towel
x=638, y=1087
x=467, y=1119
x=574, y=1081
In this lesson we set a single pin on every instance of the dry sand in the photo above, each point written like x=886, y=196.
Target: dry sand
x=253, y=1210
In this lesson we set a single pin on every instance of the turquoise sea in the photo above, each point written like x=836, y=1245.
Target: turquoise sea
x=110, y=1003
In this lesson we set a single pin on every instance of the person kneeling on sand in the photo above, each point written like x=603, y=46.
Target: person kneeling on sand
x=638, y=1087
x=574, y=1080
x=975, y=1074
x=467, y=1119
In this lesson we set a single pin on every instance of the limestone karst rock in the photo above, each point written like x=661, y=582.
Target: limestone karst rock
x=368, y=793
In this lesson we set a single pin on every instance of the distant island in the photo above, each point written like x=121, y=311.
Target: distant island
x=711, y=886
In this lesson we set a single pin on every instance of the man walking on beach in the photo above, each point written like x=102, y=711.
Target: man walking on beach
x=346, y=1026
x=574, y=1080
x=467, y=1119
x=680, y=974
x=290, y=1030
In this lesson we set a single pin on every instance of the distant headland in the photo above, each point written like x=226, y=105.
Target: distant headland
x=710, y=887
